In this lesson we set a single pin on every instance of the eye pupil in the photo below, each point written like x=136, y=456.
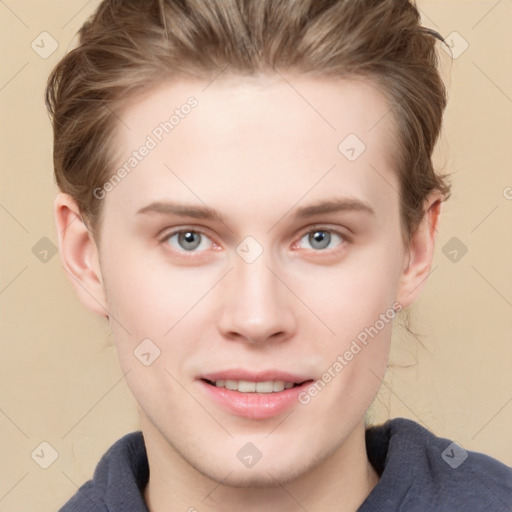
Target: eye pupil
x=320, y=239
x=189, y=240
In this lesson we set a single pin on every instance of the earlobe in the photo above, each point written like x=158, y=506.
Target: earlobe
x=418, y=260
x=79, y=254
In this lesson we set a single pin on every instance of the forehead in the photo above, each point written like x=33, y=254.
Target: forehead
x=246, y=141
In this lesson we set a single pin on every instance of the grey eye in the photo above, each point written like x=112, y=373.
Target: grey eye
x=188, y=241
x=320, y=239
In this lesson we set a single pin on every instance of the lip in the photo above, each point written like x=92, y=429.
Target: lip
x=241, y=374
x=254, y=405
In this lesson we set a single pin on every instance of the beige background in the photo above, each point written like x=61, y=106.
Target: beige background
x=60, y=382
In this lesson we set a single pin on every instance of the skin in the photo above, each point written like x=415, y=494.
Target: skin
x=255, y=151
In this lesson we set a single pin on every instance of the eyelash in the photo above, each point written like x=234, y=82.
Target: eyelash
x=311, y=229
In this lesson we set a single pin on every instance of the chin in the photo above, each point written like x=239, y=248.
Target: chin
x=255, y=478
x=264, y=474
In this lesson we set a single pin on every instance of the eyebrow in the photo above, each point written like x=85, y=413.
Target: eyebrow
x=206, y=213
x=182, y=210
x=334, y=206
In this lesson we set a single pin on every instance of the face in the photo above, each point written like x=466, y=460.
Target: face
x=251, y=257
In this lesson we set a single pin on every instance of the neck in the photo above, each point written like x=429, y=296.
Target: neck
x=340, y=482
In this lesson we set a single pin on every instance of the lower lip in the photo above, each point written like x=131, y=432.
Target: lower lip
x=256, y=406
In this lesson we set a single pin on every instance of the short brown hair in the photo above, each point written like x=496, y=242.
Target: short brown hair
x=128, y=46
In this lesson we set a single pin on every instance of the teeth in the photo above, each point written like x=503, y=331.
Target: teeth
x=245, y=386
x=278, y=385
x=231, y=384
x=264, y=387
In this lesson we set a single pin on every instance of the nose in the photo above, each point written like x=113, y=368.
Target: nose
x=256, y=307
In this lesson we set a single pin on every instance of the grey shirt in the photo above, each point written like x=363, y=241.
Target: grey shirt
x=419, y=472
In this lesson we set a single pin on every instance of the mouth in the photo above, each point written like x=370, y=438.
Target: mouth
x=254, y=396
x=247, y=386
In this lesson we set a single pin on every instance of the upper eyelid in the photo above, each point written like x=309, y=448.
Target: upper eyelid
x=321, y=227
x=305, y=230
x=166, y=234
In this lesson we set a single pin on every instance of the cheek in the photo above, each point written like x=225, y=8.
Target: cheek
x=353, y=294
x=355, y=300
x=148, y=296
x=150, y=299
x=355, y=360
x=150, y=305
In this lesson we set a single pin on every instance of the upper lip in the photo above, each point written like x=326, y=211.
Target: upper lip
x=252, y=376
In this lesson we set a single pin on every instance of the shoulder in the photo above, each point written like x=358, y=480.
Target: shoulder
x=118, y=480
x=421, y=471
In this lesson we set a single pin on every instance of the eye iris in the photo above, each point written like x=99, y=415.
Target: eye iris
x=319, y=239
x=189, y=240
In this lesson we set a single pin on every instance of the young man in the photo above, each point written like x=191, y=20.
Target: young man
x=248, y=197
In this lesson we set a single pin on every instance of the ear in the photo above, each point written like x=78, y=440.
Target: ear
x=418, y=258
x=79, y=255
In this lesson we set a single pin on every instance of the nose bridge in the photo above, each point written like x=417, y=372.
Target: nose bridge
x=256, y=284
x=256, y=307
